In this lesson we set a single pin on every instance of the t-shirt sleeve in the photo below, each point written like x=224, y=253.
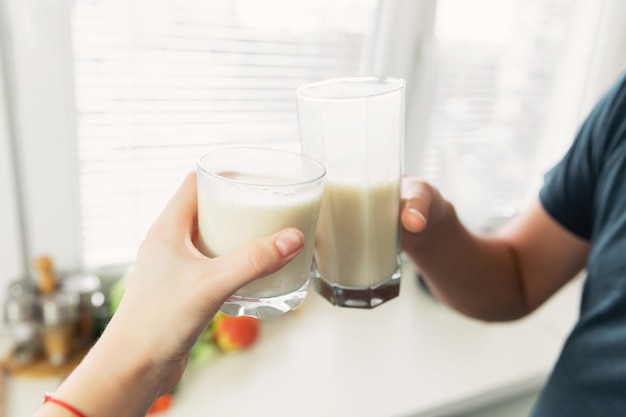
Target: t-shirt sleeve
x=569, y=188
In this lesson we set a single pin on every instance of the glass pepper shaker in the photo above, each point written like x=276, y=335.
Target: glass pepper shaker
x=86, y=287
x=59, y=313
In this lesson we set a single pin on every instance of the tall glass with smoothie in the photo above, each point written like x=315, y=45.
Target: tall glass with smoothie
x=248, y=193
x=355, y=127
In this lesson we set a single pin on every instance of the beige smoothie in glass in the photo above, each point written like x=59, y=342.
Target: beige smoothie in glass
x=357, y=238
x=355, y=127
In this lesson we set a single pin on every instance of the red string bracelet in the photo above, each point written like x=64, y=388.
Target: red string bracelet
x=49, y=398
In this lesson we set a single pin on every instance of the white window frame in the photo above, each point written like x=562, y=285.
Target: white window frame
x=409, y=24
x=12, y=264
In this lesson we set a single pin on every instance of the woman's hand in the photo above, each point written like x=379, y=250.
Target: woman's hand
x=171, y=296
x=174, y=290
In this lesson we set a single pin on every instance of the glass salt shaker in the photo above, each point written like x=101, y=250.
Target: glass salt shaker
x=21, y=314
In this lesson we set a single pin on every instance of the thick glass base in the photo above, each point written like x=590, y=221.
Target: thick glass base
x=264, y=308
x=368, y=297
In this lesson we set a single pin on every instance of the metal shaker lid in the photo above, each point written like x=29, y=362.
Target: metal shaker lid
x=19, y=308
x=22, y=287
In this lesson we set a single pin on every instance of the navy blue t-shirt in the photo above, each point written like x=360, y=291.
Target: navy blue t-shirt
x=586, y=193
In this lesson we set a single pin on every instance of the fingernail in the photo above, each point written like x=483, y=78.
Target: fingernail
x=418, y=213
x=289, y=242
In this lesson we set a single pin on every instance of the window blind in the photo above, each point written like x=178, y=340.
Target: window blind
x=498, y=63
x=158, y=83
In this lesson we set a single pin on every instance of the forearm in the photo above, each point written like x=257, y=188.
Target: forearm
x=476, y=275
x=110, y=381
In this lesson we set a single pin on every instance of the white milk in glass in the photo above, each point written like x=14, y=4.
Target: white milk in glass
x=246, y=193
x=229, y=221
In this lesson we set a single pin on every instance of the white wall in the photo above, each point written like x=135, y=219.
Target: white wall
x=39, y=73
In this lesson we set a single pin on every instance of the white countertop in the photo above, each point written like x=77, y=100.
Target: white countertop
x=408, y=357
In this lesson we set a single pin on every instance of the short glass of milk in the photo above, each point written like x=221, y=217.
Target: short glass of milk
x=355, y=127
x=245, y=193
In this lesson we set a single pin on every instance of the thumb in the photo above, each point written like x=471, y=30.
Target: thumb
x=258, y=258
x=417, y=198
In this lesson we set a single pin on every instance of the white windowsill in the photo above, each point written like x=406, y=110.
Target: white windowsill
x=410, y=356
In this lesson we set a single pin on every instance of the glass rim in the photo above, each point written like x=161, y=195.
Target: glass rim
x=314, y=179
x=395, y=84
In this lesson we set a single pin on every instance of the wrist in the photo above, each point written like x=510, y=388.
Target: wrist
x=114, y=379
